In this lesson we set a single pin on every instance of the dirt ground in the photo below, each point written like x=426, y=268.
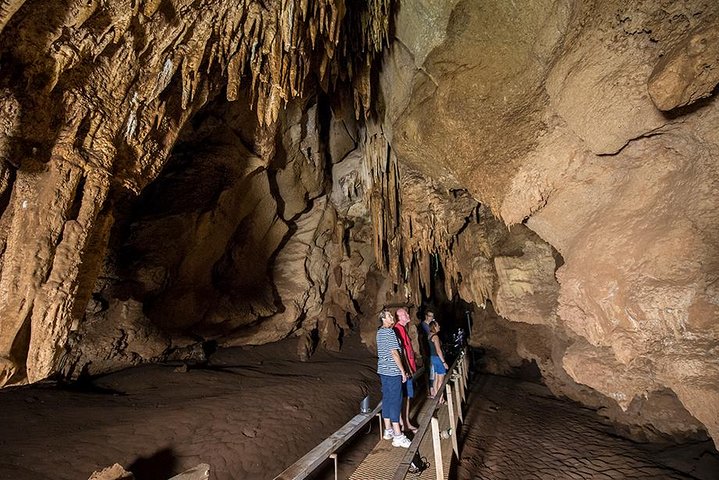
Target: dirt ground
x=518, y=430
x=249, y=413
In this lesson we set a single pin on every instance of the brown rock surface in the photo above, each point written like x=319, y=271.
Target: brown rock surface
x=689, y=72
x=542, y=113
x=115, y=472
x=104, y=90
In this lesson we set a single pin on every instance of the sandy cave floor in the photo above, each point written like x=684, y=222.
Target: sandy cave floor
x=253, y=411
x=250, y=413
x=518, y=430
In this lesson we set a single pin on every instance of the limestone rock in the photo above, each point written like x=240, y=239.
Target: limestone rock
x=348, y=185
x=527, y=290
x=514, y=152
x=689, y=72
x=300, y=181
x=114, y=339
x=305, y=346
x=200, y=472
x=115, y=472
x=498, y=343
x=343, y=130
x=554, y=128
x=105, y=89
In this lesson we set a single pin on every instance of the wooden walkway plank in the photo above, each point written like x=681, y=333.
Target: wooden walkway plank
x=383, y=460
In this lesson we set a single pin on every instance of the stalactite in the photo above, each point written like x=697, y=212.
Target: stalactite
x=410, y=238
x=126, y=76
x=281, y=41
x=7, y=10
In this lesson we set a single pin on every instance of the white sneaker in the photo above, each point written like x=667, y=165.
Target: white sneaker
x=401, y=441
x=388, y=434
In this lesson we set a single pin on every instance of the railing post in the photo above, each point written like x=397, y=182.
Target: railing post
x=465, y=371
x=381, y=426
x=452, y=420
x=437, y=449
x=457, y=384
x=461, y=380
x=334, y=457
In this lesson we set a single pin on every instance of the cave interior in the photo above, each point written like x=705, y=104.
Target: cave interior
x=179, y=179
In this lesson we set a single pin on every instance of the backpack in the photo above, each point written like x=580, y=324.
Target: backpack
x=419, y=464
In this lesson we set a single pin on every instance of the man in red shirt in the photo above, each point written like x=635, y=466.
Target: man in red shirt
x=400, y=329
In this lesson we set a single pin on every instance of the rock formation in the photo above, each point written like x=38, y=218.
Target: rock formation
x=176, y=176
x=550, y=115
x=95, y=96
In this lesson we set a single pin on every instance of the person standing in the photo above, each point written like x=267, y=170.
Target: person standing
x=400, y=329
x=392, y=374
x=436, y=356
x=428, y=318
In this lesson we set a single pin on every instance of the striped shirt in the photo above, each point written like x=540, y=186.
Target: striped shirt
x=386, y=342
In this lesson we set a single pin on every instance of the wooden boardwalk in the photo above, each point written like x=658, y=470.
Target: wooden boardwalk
x=383, y=460
x=435, y=443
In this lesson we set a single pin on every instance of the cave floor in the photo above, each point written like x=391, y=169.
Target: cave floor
x=518, y=430
x=249, y=413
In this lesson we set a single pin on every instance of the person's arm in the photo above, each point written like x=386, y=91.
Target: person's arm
x=438, y=348
x=398, y=360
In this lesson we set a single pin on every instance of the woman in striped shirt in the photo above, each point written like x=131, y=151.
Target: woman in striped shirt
x=392, y=374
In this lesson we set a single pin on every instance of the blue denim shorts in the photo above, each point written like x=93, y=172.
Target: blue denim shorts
x=408, y=388
x=438, y=365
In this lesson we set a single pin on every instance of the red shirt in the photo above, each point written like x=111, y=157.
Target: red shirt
x=406, y=344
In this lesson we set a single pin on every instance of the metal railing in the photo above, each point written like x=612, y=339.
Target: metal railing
x=329, y=448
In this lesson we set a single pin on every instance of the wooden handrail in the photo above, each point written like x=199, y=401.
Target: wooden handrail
x=322, y=452
x=306, y=465
x=425, y=419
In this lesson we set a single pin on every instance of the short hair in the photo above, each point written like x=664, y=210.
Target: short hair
x=429, y=313
x=433, y=326
x=380, y=318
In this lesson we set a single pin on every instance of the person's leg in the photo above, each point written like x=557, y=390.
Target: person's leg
x=430, y=381
x=439, y=378
x=386, y=393
x=407, y=401
x=394, y=402
x=399, y=440
x=436, y=369
x=403, y=418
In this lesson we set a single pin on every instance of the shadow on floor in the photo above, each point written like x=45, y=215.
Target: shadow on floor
x=159, y=466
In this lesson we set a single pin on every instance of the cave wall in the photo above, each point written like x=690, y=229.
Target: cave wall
x=224, y=248
x=556, y=116
x=94, y=97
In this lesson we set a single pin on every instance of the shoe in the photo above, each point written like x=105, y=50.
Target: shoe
x=388, y=434
x=401, y=441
